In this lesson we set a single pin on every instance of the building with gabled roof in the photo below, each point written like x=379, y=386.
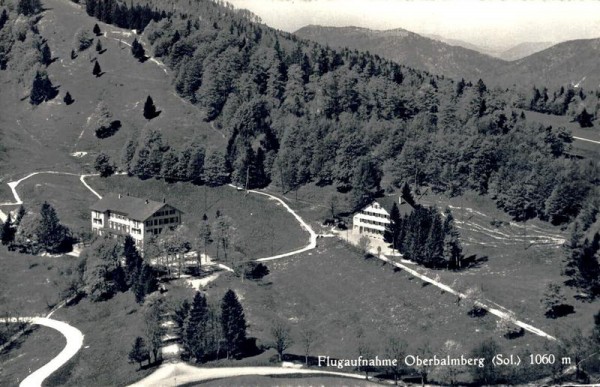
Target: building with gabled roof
x=117, y=214
x=373, y=219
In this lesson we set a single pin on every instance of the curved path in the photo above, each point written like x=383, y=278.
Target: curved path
x=74, y=343
x=312, y=243
x=13, y=184
x=177, y=374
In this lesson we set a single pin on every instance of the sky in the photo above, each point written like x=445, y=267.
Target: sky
x=491, y=23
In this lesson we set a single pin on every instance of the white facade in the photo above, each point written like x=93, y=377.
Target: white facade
x=371, y=221
x=112, y=222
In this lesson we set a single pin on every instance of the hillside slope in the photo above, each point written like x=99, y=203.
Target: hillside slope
x=53, y=135
x=407, y=48
x=568, y=63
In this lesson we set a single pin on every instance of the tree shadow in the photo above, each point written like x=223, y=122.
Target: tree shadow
x=515, y=334
x=558, y=311
x=100, y=74
x=143, y=59
x=102, y=51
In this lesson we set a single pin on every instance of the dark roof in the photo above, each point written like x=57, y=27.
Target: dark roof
x=388, y=201
x=132, y=207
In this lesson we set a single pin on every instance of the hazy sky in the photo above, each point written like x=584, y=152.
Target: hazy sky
x=483, y=22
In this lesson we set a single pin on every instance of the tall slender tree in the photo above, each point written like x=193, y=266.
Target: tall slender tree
x=233, y=323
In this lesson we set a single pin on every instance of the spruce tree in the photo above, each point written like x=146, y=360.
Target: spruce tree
x=97, y=71
x=233, y=323
x=46, y=54
x=20, y=214
x=133, y=260
x=8, y=232
x=41, y=89
x=149, y=109
x=53, y=236
x=195, y=328
x=98, y=46
x=139, y=352
x=452, y=247
x=68, y=100
x=3, y=18
x=137, y=50
x=145, y=284
x=96, y=30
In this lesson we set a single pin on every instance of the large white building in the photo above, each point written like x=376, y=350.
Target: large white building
x=128, y=215
x=373, y=219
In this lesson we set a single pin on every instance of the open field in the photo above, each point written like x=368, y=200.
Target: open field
x=29, y=353
x=582, y=148
x=263, y=227
x=29, y=284
x=517, y=261
x=365, y=302
x=65, y=193
x=110, y=329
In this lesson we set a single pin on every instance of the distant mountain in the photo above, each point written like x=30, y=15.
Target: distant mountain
x=406, y=48
x=519, y=51
x=523, y=50
x=573, y=62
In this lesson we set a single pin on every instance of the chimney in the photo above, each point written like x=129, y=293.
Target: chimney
x=400, y=199
x=164, y=200
x=147, y=201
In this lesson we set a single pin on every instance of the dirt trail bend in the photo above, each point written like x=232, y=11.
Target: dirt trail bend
x=312, y=243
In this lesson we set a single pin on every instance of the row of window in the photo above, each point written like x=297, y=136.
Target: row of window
x=97, y=221
x=118, y=226
x=367, y=221
x=377, y=214
x=371, y=231
x=160, y=222
x=165, y=212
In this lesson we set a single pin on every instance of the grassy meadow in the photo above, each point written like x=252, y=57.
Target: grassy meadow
x=351, y=300
x=262, y=226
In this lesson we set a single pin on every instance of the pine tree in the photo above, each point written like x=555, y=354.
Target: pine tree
x=96, y=30
x=195, y=328
x=97, y=71
x=434, y=246
x=98, y=46
x=46, y=54
x=139, y=352
x=29, y=7
x=73, y=54
x=133, y=260
x=392, y=232
x=41, y=89
x=137, y=50
x=233, y=323
x=68, y=99
x=406, y=195
x=20, y=214
x=3, y=18
x=53, y=236
x=7, y=232
x=452, y=247
x=103, y=165
x=149, y=109
x=146, y=283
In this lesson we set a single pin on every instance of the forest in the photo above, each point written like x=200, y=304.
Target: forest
x=296, y=113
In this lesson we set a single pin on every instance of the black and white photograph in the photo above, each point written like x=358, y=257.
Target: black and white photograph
x=299, y=193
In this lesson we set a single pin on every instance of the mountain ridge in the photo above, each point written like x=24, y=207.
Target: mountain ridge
x=567, y=63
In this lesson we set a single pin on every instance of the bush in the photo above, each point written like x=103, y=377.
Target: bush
x=83, y=40
x=255, y=271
